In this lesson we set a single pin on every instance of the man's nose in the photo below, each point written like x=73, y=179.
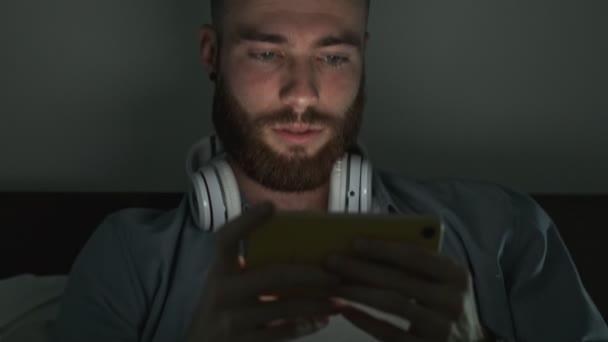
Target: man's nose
x=301, y=89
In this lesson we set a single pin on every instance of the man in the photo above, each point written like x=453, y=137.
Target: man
x=290, y=86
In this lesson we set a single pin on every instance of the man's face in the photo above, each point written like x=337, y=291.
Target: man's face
x=288, y=100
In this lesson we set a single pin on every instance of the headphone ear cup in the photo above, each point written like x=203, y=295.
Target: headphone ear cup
x=350, y=188
x=216, y=198
x=366, y=186
x=353, y=180
x=207, y=198
x=199, y=202
x=230, y=189
x=337, y=186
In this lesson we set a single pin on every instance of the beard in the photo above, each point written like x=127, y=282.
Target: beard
x=241, y=134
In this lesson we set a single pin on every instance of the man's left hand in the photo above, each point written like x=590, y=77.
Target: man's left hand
x=432, y=292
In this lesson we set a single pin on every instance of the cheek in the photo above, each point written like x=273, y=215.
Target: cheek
x=249, y=86
x=340, y=90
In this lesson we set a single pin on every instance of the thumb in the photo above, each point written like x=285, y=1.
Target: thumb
x=231, y=234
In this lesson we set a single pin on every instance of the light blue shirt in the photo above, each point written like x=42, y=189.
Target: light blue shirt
x=139, y=276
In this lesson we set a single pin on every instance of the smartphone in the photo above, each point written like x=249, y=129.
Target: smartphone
x=308, y=237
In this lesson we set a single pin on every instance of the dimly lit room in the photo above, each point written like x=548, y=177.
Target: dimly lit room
x=303, y=170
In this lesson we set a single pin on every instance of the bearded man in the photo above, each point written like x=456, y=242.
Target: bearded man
x=289, y=95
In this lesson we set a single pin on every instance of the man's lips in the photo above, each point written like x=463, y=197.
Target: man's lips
x=297, y=134
x=297, y=128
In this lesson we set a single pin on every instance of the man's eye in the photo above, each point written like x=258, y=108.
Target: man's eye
x=336, y=61
x=265, y=56
x=332, y=60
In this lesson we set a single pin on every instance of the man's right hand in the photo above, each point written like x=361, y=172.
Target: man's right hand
x=230, y=308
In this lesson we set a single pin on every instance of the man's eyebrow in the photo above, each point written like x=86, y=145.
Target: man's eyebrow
x=253, y=35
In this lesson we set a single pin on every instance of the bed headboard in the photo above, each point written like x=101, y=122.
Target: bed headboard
x=42, y=233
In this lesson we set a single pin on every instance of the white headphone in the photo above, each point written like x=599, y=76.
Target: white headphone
x=215, y=197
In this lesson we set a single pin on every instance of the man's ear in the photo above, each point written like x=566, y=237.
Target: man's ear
x=209, y=50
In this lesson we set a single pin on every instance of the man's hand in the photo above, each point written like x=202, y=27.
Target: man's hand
x=430, y=291
x=232, y=305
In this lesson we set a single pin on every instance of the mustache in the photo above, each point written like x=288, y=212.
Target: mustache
x=288, y=116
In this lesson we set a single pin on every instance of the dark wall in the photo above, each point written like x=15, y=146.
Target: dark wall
x=108, y=95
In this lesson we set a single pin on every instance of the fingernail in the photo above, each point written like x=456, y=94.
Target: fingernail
x=338, y=306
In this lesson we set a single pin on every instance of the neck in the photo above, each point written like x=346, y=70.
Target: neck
x=254, y=192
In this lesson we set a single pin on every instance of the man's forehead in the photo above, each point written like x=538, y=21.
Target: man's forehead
x=325, y=38
x=300, y=4
x=351, y=13
x=288, y=21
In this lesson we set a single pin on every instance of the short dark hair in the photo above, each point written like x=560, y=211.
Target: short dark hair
x=217, y=13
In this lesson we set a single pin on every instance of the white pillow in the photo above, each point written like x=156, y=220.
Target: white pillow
x=30, y=305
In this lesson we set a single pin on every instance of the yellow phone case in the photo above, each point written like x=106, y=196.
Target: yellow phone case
x=308, y=238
